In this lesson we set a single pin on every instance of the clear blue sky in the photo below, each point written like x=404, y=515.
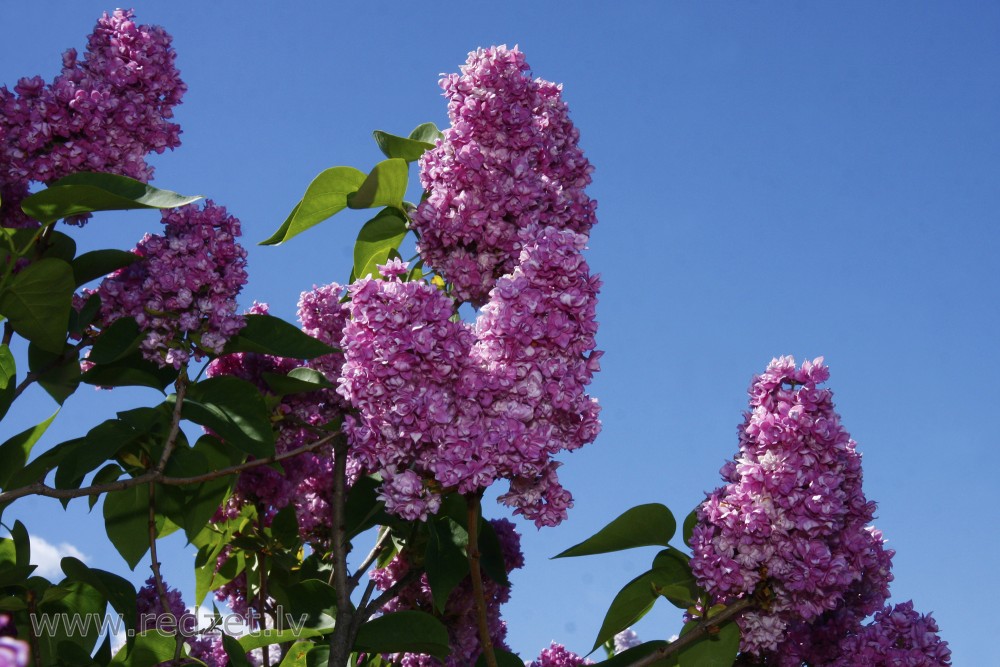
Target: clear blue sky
x=773, y=178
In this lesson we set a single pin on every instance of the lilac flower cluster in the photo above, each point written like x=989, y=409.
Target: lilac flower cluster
x=438, y=399
x=459, y=614
x=182, y=291
x=408, y=373
x=536, y=346
x=897, y=636
x=13, y=652
x=557, y=655
x=207, y=648
x=105, y=112
x=791, y=522
x=508, y=164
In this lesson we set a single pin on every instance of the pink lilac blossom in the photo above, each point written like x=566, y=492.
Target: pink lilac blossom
x=105, y=112
x=459, y=614
x=13, y=652
x=207, y=648
x=407, y=373
x=556, y=655
x=182, y=291
x=792, y=517
x=439, y=400
x=536, y=346
x=898, y=636
x=508, y=164
x=625, y=640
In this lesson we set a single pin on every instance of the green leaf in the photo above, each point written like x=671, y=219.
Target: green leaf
x=319, y=656
x=107, y=474
x=81, y=603
x=150, y=648
x=85, y=192
x=316, y=601
x=116, y=590
x=267, y=334
x=57, y=373
x=635, y=599
x=632, y=655
x=116, y=341
x=644, y=525
x=285, y=527
x=427, y=133
x=715, y=650
x=99, y=263
x=15, y=452
x=131, y=371
x=299, y=380
x=22, y=544
x=126, y=520
x=401, y=147
x=491, y=553
x=60, y=246
x=445, y=560
x=325, y=197
x=100, y=444
x=690, y=521
x=236, y=652
x=202, y=500
x=234, y=409
x=363, y=509
x=297, y=655
x=504, y=659
x=8, y=379
x=38, y=300
x=674, y=579
x=376, y=240
x=260, y=638
x=404, y=631
x=384, y=186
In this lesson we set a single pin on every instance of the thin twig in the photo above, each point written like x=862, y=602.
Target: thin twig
x=36, y=649
x=161, y=589
x=265, y=651
x=485, y=642
x=702, y=630
x=42, y=489
x=175, y=421
x=370, y=558
x=342, y=639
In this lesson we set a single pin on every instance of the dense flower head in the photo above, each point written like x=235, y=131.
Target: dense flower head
x=14, y=652
x=557, y=655
x=792, y=517
x=407, y=372
x=508, y=164
x=898, y=637
x=459, y=614
x=106, y=111
x=536, y=345
x=182, y=291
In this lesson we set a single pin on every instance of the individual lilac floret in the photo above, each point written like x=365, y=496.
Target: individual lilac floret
x=459, y=614
x=897, y=636
x=105, y=112
x=508, y=164
x=791, y=522
x=536, y=345
x=182, y=291
x=556, y=655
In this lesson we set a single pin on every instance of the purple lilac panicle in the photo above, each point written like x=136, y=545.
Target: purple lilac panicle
x=182, y=291
x=105, y=112
x=459, y=614
x=508, y=164
x=792, y=517
x=557, y=655
x=13, y=652
x=897, y=636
